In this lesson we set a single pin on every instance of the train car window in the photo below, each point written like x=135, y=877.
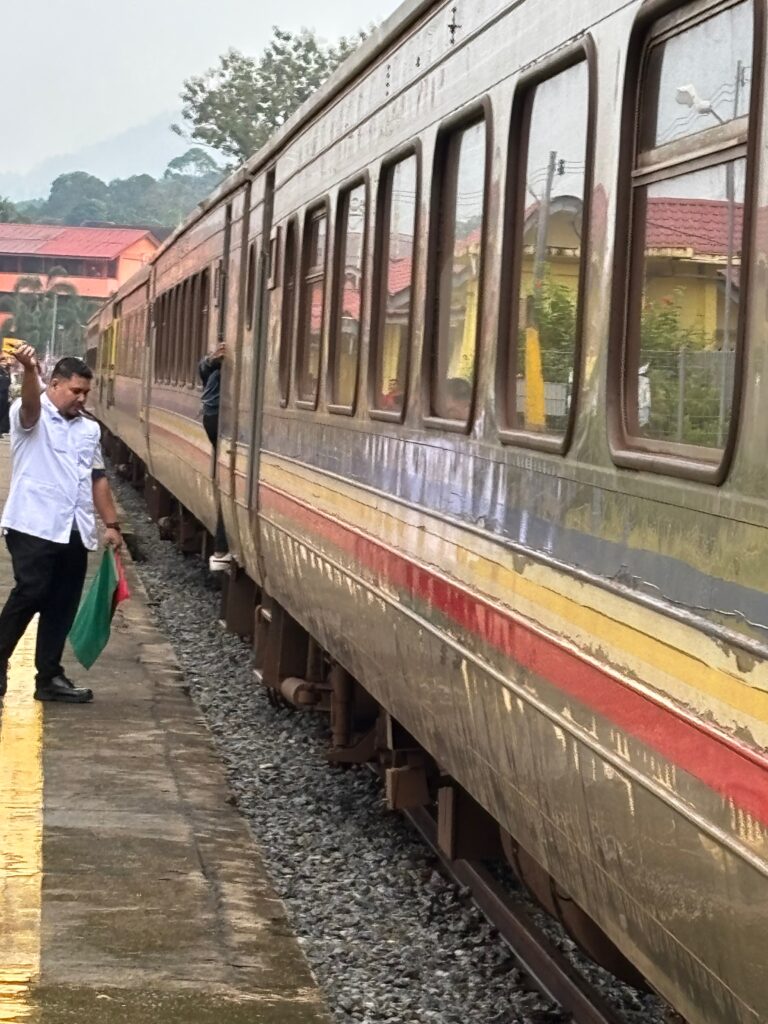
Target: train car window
x=178, y=348
x=186, y=339
x=686, y=272
x=159, y=314
x=349, y=287
x=456, y=275
x=166, y=326
x=287, y=313
x=178, y=316
x=394, y=277
x=546, y=221
x=312, y=308
x=162, y=340
x=250, y=287
x=194, y=329
x=204, y=321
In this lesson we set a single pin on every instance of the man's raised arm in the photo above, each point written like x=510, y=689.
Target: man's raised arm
x=30, y=387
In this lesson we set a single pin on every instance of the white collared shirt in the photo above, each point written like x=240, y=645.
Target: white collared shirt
x=51, y=485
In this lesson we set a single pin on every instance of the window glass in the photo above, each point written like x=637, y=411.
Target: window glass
x=458, y=267
x=287, y=312
x=683, y=324
x=205, y=304
x=690, y=308
x=313, y=300
x=349, y=300
x=396, y=268
x=697, y=79
x=549, y=285
x=171, y=336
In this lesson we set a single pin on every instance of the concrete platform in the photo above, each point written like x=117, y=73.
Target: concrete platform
x=130, y=888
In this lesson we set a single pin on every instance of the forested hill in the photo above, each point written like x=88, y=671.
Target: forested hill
x=161, y=203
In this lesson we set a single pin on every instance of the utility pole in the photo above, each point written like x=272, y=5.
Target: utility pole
x=731, y=200
x=543, y=220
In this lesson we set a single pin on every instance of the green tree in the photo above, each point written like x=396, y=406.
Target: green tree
x=235, y=107
x=554, y=313
x=684, y=372
x=74, y=198
x=35, y=303
x=195, y=163
x=10, y=213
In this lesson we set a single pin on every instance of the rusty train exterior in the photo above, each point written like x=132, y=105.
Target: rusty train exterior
x=491, y=445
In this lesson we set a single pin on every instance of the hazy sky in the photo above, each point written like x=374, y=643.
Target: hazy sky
x=85, y=70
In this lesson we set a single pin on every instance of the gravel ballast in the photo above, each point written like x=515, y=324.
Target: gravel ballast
x=390, y=940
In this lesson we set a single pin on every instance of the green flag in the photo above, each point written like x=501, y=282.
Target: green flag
x=90, y=630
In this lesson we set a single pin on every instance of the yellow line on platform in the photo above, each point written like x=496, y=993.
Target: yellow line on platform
x=21, y=835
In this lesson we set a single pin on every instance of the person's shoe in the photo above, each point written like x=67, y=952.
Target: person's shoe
x=62, y=689
x=3, y=679
x=219, y=563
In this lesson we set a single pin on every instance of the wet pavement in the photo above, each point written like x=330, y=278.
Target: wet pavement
x=130, y=888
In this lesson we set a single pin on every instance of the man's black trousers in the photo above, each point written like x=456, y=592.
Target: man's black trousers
x=49, y=580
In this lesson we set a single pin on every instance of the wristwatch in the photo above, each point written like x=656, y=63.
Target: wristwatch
x=113, y=526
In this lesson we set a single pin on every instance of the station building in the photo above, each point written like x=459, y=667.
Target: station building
x=96, y=261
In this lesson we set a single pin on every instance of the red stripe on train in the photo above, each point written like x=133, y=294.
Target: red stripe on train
x=735, y=773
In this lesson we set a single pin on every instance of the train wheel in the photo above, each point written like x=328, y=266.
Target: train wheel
x=585, y=932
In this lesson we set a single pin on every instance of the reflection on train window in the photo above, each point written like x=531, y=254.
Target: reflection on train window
x=287, y=312
x=688, y=233
x=345, y=333
x=457, y=269
x=394, y=274
x=697, y=78
x=312, y=308
x=550, y=263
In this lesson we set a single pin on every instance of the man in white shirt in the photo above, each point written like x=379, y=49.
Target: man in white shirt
x=48, y=519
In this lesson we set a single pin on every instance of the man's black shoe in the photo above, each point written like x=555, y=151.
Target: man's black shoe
x=62, y=689
x=3, y=679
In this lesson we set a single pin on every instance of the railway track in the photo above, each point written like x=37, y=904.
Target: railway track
x=547, y=967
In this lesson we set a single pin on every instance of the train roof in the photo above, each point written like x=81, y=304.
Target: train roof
x=375, y=44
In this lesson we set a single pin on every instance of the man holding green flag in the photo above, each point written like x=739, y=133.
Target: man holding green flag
x=49, y=523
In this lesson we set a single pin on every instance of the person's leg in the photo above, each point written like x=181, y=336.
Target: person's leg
x=34, y=563
x=220, y=545
x=59, y=609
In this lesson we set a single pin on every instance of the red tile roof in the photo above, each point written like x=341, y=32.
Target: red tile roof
x=697, y=224
x=56, y=240
x=399, y=277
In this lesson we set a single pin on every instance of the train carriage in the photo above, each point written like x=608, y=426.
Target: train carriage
x=491, y=445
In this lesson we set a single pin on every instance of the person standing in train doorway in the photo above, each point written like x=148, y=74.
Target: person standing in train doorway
x=57, y=481
x=210, y=374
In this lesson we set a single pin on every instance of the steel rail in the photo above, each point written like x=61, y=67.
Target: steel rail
x=552, y=974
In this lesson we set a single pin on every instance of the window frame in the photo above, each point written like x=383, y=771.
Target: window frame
x=337, y=292
x=250, y=284
x=206, y=300
x=582, y=52
x=674, y=459
x=285, y=353
x=379, y=291
x=313, y=212
x=478, y=112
